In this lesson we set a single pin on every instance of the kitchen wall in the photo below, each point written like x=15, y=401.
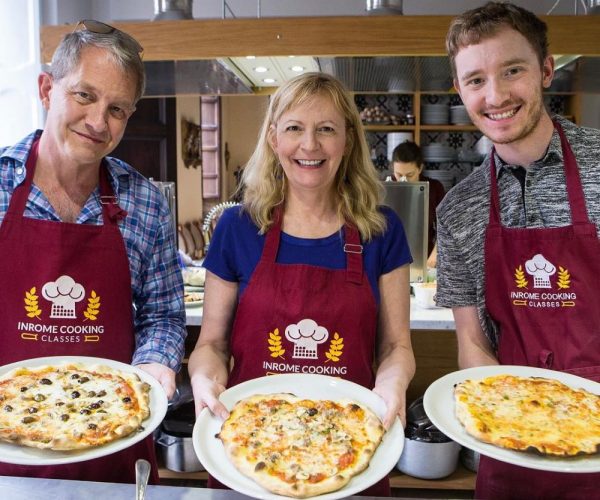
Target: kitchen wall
x=73, y=10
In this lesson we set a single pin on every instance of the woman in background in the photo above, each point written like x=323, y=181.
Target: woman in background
x=407, y=163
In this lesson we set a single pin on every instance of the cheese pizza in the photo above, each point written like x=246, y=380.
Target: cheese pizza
x=71, y=406
x=530, y=413
x=300, y=447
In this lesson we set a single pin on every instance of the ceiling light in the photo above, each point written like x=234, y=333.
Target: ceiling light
x=250, y=57
x=261, y=69
x=269, y=80
x=297, y=69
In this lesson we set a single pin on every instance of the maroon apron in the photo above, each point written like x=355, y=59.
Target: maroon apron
x=540, y=288
x=298, y=318
x=67, y=292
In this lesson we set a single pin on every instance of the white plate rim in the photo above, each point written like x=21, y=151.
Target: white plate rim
x=21, y=455
x=211, y=453
x=438, y=403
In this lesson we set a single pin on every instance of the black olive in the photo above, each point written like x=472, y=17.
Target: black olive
x=75, y=375
x=101, y=394
x=59, y=403
x=8, y=408
x=91, y=394
x=32, y=409
x=46, y=381
x=92, y=426
x=39, y=397
x=23, y=389
x=75, y=394
x=64, y=417
x=259, y=466
x=312, y=412
x=28, y=420
x=83, y=380
x=94, y=406
x=85, y=411
x=126, y=400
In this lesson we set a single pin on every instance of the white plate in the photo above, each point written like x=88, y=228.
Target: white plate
x=23, y=455
x=190, y=288
x=212, y=456
x=438, y=402
x=194, y=303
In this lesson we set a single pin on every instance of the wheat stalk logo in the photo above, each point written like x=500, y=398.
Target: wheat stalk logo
x=93, y=308
x=520, y=278
x=275, y=344
x=336, y=346
x=564, y=278
x=31, y=304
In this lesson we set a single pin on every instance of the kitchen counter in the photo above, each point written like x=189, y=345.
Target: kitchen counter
x=420, y=318
x=26, y=488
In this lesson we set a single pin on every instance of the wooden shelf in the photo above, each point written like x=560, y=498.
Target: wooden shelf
x=389, y=128
x=461, y=479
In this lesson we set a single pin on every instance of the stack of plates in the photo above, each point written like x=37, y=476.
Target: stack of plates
x=438, y=153
x=434, y=114
x=396, y=138
x=444, y=176
x=459, y=116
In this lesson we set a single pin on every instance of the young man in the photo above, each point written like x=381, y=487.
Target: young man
x=74, y=218
x=407, y=164
x=533, y=205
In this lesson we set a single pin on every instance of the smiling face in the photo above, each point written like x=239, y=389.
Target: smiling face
x=500, y=81
x=309, y=140
x=88, y=109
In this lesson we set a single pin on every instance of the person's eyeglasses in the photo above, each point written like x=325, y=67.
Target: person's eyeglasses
x=101, y=28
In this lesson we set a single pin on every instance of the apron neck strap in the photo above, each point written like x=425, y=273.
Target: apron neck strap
x=111, y=211
x=352, y=247
x=573, y=184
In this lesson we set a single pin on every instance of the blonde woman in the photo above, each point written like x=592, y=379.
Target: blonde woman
x=310, y=253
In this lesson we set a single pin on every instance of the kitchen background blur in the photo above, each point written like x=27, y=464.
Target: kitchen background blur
x=211, y=67
x=199, y=126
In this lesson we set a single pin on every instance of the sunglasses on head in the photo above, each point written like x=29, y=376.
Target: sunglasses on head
x=101, y=28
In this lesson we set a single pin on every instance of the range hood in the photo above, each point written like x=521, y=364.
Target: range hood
x=368, y=53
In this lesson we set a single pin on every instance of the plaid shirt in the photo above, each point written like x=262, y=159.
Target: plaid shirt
x=156, y=280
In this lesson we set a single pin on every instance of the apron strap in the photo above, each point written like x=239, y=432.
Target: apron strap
x=111, y=211
x=575, y=194
x=354, y=258
x=352, y=247
x=579, y=213
x=18, y=200
x=273, y=236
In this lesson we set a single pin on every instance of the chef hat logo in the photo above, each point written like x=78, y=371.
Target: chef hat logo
x=541, y=269
x=63, y=293
x=306, y=336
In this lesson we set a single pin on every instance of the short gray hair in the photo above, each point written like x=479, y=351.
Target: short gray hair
x=123, y=47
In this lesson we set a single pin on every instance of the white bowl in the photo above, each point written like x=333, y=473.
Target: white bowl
x=425, y=294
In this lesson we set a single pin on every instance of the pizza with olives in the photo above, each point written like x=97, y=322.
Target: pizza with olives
x=71, y=406
x=300, y=447
x=530, y=413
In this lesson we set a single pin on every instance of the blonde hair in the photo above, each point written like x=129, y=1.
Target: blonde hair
x=357, y=187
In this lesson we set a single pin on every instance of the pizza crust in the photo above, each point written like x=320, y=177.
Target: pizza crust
x=298, y=447
x=529, y=414
x=71, y=406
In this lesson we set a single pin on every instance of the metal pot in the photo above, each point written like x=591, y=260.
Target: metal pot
x=428, y=460
x=428, y=453
x=178, y=452
x=469, y=459
x=174, y=438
